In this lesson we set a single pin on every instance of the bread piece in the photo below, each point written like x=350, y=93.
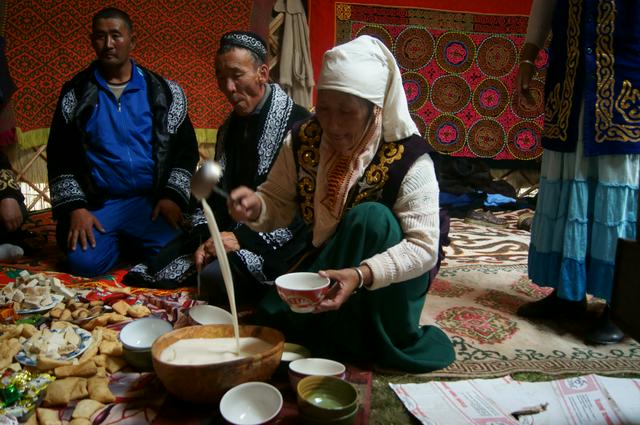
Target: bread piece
x=80, y=313
x=102, y=372
x=28, y=330
x=121, y=307
x=80, y=390
x=61, y=391
x=99, y=390
x=138, y=310
x=45, y=363
x=85, y=408
x=101, y=321
x=66, y=315
x=80, y=421
x=114, y=364
x=109, y=335
x=92, y=350
x=61, y=325
x=48, y=416
x=116, y=318
x=100, y=360
x=8, y=349
x=111, y=348
x=86, y=369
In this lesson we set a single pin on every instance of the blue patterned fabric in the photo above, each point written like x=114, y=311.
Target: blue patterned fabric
x=582, y=211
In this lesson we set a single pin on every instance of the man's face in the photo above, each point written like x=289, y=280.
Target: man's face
x=112, y=42
x=241, y=80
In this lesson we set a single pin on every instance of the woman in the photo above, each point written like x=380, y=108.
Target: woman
x=590, y=167
x=362, y=178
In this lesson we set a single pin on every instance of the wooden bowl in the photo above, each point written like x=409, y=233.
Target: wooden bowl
x=207, y=383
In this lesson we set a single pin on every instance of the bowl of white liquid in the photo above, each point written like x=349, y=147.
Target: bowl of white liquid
x=200, y=363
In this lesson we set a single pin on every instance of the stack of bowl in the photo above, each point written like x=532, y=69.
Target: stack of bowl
x=313, y=366
x=137, y=338
x=326, y=400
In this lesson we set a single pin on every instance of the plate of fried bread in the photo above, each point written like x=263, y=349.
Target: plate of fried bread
x=54, y=344
x=46, y=303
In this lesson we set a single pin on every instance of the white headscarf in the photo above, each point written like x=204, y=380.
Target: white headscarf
x=365, y=68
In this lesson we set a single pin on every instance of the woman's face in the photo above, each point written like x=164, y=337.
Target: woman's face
x=343, y=118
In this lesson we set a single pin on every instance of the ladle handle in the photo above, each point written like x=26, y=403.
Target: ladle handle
x=221, y=192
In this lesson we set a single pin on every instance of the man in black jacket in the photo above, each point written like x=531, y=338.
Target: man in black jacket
x=247, y=144
x=121, y=154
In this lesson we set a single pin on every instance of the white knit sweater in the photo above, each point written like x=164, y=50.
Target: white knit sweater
x=416, y=208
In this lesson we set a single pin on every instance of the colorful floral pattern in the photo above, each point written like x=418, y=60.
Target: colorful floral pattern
x=469, y=62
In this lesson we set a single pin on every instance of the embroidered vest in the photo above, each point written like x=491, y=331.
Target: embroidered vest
x=380, y=181
x=594, y=63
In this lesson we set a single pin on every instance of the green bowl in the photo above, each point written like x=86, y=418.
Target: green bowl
x=326, y=398
x=349, y=419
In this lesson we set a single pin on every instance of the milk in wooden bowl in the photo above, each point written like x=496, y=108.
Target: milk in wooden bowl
x=199, y=363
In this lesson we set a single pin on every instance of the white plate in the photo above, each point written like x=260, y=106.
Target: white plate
x=85, y=341
x=55, y=299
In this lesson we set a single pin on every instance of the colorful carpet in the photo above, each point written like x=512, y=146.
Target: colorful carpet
x=458, y=64
x=475, y=298
x=47, y=42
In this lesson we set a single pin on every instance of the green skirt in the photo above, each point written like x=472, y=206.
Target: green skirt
x=379, y=326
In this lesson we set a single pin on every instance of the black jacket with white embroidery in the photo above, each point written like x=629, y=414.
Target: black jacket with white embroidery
x=175, y=148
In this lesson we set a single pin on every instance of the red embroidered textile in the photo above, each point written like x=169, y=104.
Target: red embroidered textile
x=459, y=62
x=48, y=42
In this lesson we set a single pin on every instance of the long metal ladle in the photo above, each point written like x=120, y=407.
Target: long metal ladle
x=206, y=180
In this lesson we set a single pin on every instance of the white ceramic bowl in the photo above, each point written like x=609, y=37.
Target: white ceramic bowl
x=205, y=314
x=302, y=290
x=251, y=403
x=140, y=334
x=314, y=366
x=294, y=352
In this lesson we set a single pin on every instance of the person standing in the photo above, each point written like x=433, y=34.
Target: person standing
x=121, y=154
x=590, y=169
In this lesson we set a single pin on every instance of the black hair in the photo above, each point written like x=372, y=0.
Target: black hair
x=113, y=13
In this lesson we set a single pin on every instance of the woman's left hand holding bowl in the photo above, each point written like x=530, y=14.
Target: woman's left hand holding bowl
x=345, y=283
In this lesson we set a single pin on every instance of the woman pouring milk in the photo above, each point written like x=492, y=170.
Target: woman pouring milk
x=363, y=180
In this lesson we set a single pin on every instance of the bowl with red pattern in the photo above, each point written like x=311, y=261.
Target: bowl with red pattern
x=302, y=291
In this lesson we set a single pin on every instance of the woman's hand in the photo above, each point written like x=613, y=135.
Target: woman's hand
x=526, y=72
x=346, y=281
x=244, y=205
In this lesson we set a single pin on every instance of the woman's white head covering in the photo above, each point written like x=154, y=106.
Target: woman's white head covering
x=364, y=67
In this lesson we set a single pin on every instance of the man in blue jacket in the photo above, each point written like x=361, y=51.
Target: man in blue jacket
x=121, y=154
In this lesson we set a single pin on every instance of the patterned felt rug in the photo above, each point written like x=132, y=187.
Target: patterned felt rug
x=475, y=298
x=458, y=62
